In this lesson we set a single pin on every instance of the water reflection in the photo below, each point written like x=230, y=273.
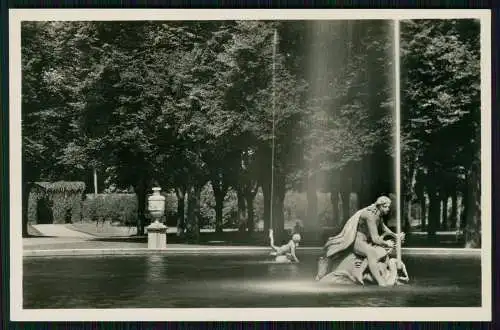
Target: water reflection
x=283, y=270
x=156, y=268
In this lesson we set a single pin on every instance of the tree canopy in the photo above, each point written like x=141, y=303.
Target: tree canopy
x=183, y=104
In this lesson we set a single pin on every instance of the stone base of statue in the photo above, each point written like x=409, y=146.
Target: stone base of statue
x=345, y=272
x=353, y=269
x=157, y=235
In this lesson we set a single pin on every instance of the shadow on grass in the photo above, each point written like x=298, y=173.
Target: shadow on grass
x=214, y=239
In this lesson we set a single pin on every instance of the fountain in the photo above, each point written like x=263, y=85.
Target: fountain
x=349, y=268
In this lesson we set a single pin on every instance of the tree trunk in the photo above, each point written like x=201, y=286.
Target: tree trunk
x=250, y=214
x=465, y=203
x=393, y=213
x=353, y=203
x=25, y=200
x=408, y=193
x=364, y=189
x=407, y=223
x=180, y=192
x=423, y=212
x=242, y=223
x=140, y=190
x=219, y=206
x=473, y=216
x=266, y=193
x=406, y=210
x=334, y=199
x=190, y=218
x=363, y=193
x=345, y=206
x=220, y=191
x=408, y=186
x=434, y=212
x=249, y=198
x=444, y=213
x=278, y=224
x=193, y=213
x=197, y=212
x=420, y=192
x=312, y=203
x=454, y=210
x=345, y=191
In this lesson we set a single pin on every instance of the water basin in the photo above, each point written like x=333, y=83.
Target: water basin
x=237, y=281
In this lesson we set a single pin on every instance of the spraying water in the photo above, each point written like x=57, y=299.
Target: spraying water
x=275, y=44
x=397, y=134
x=324, y=59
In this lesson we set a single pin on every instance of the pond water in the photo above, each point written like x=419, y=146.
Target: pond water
x=238, y=281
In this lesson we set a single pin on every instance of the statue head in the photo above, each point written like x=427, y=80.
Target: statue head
x=296, y=238
x=383, y=204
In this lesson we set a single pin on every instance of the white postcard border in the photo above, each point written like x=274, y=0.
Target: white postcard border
x=238, y=314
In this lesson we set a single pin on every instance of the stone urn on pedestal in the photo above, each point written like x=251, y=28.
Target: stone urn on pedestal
x=157, y=232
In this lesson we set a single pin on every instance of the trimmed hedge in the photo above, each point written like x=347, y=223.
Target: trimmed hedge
x=32, y=208
x=66, y=207
x=110, y=207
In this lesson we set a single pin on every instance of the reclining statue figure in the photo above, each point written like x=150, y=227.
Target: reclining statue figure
x=364, y=254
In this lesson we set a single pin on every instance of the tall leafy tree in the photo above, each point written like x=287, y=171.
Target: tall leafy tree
x=441, y=113
x=49, y=103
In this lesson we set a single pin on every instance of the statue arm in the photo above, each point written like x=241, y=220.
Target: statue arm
x=372, y=228
x=292, y=252
x=384, y=235
x=388, y=231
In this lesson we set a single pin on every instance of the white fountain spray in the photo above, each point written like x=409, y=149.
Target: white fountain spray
x=397, y=134
x=275, y=44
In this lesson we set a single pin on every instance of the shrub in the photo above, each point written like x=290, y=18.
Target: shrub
x=32, y=208
x=111, y=207
x=66, y=207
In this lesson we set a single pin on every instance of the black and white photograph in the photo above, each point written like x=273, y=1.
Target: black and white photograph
x=170, y=165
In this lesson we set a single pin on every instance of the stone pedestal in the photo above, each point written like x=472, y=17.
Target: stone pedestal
x=157, y=236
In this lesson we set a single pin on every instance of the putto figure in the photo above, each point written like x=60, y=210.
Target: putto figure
x=286, y=252
x=361, y=242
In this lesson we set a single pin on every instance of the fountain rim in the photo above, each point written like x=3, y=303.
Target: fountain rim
x=222, y=250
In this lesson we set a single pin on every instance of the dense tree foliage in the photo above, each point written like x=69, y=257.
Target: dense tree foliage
x=186, y=104
x=441, y=120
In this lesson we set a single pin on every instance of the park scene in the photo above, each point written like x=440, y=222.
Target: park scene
x=328, y=163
